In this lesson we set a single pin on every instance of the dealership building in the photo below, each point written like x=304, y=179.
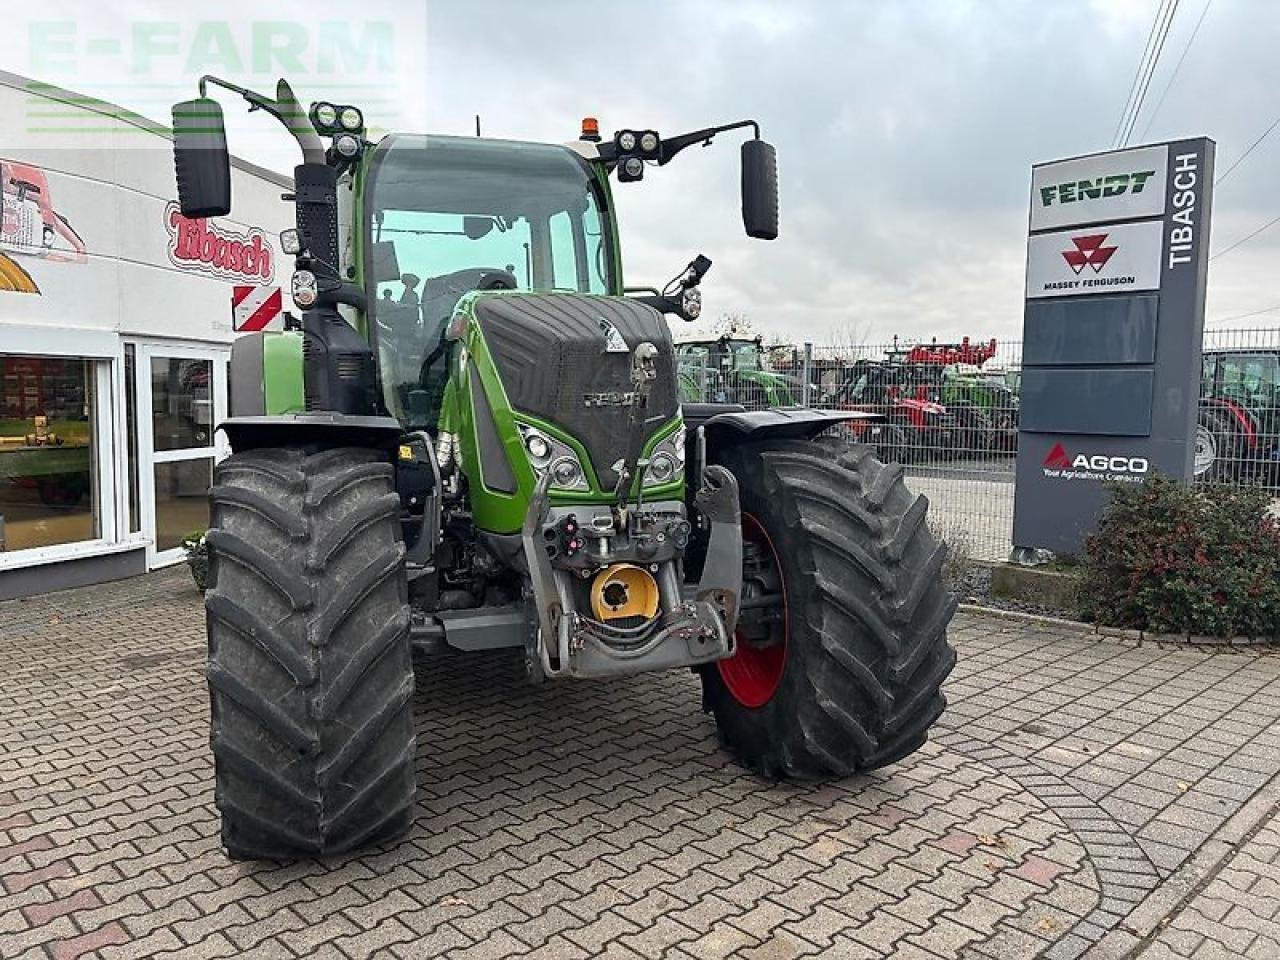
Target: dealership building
x=115, y=337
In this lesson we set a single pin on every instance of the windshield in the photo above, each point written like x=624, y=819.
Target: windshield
x=746, y=354
x=1254, y=377
x=447, y=215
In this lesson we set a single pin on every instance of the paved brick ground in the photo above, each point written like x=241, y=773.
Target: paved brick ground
x=1080, y=797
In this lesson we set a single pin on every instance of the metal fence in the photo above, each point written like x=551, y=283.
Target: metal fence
x=950, y=412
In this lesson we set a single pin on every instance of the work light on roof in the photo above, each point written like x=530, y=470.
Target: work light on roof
x=325, y=116
x=346, y=145
x=351, y=119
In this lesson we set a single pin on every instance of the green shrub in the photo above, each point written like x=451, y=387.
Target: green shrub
x=1174, y=558
x=197, y=550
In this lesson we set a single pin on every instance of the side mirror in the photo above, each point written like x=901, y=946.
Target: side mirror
x=200, y=159
x=760, y=190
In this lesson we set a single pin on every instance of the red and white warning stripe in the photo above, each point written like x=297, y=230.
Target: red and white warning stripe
x=254, y=309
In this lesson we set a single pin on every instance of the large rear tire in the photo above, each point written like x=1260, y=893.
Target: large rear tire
x=310, y=670
x=846, y=673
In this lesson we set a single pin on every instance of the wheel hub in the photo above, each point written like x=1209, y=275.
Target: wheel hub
x=1206, y=450
x=754, y=672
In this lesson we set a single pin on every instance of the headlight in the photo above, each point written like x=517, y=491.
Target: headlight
x=548, y=455
x=626, y=141
x=662, y=469
x=566, y=474
x=538, y=447
x=304, y=289
x=691, y=303
x=649, y=142
x=351, y=119
x=346, y=145
x=633, y=167
x=666, y=462
x=326, y=115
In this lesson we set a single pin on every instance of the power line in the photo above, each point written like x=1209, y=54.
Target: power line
x=1266, y=226
x=1245, y=316
x=1151, y=72
x=1178, y=66
x=1133, y=87
x=1252, y=146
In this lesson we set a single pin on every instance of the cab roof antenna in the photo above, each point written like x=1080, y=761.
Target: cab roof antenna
x=477, y=124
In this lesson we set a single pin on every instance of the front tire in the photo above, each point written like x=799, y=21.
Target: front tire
x=852, y=681
x=310, y=671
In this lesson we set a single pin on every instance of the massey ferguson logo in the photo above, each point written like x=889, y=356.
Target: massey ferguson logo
x=1089, y=252
x=217, y=251
x=1060, y=464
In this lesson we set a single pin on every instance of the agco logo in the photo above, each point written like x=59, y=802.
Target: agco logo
x=1061, y=464
x=1112, y=186
x=1089, y=252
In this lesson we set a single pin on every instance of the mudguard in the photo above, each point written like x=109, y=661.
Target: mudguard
x=711, y=425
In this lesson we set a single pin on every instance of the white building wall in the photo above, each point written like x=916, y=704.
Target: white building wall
x=112, y=179
x=103, y=289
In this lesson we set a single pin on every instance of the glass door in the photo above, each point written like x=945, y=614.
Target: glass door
x=181, y=397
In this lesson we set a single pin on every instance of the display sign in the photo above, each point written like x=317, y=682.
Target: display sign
x=1121, y=257
x=1117, y=261
x=1102, y=188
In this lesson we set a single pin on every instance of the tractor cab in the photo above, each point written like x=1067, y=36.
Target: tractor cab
x=444, y=216
x=732, y=370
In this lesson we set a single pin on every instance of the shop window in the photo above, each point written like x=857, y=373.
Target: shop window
x=181, y=403
x=182, y=500
x=48, y=467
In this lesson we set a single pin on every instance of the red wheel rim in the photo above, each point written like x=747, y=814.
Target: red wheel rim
x=753, y=674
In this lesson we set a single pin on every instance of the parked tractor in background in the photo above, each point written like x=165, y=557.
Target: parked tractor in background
x=476, y=440
x=733, y=370
x=1238, y=432
x=915, y=425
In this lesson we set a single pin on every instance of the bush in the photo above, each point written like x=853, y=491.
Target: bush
x=197, y=549
x=1174, y=558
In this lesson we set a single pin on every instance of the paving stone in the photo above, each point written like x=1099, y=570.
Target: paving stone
x=603, y=820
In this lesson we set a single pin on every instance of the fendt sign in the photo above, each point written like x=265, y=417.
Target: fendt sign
x=1117, y=257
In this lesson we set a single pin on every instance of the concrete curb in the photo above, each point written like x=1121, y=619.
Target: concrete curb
x=1132, y=638
x=1181, y=887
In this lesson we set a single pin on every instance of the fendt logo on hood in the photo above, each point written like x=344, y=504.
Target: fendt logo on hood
x=1060, y=464
x=1095, y=189
x=1089, y=252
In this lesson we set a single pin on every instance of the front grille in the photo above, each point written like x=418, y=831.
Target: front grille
x=550, y=350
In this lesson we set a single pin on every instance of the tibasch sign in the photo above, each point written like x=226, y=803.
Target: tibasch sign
x=217, y=250
x=1117, y=258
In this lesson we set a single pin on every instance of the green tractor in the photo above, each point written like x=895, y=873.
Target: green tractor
x=475, y=441
x=732, y=370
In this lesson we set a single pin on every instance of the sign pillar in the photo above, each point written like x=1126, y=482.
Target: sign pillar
x=1117, y=261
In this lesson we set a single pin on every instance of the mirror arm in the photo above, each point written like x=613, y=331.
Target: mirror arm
x=667, y=305
x=284, y=108
x=673, y=145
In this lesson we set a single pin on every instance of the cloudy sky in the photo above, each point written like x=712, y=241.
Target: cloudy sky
x=905, y=130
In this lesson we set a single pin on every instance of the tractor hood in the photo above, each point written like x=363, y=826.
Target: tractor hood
x=566, y=359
